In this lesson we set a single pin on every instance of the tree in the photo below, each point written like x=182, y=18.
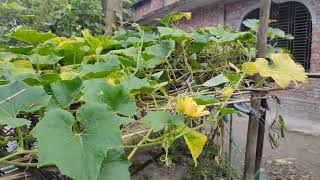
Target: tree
x=112, y=15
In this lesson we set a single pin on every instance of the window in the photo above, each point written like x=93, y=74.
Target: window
x=293, y=18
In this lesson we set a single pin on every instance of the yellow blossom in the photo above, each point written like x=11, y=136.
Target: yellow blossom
x=227, y=93
x=111, y=81
x=191, y=108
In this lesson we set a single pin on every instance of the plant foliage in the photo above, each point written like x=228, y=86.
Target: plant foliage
x=83, y=93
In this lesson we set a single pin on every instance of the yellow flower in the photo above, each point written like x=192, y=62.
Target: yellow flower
x=191, y=108
x=227, y=93
x=111, y=81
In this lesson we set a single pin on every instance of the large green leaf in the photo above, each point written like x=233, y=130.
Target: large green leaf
x=30, y=36
x=78, y=155
x=99, y=69
x=115, y=97
x=158, y=120
x=19, y=97
x=273, y=33
x=16, y=49
x=8, y=56
x=45, y=60
x=224, y=35
x=97, y=44
x=14, y=122
x=174, y=33
x=74, y=50
x=134, y=84
x=18, y=70
x=158, y=54
x=115, y=167
x=64, y=92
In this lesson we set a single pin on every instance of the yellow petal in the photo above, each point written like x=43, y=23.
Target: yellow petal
x=203, y=113
x=111, y=81
x=227, y=93
x=195, y=142
x=249, y=68
x=191, y=109
x=180, y=104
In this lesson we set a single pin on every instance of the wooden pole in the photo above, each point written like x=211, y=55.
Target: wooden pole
x=230, y=150
x=249, y=166
x=112, y=15
x=260, y=140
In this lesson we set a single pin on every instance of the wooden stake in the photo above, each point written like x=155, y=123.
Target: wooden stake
x=230, y=150
x=249, y=166
x=260, y=140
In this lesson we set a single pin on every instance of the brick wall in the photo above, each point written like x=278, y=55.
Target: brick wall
x=204, y=17
x=147, y=7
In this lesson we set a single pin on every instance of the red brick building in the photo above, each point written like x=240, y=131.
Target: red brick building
x=301, y=18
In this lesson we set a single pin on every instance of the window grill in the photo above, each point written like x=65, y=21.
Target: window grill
x=293, y=18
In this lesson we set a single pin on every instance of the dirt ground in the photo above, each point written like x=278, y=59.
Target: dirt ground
x=299, y=151
x=297, y=158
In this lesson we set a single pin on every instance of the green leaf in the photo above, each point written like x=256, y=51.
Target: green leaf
x=45, y=60
x=16, y=49
x=115, y=167
x=18, y=70
x=131, y=52
x=177, y=120
x=8, y=56
x=74, y=50
x=176, y=34
x=224, y=35
x=19, y=97
x=64, y=92
x=232, y=77
x=158, y=54
x=14, y=122
x=99, y=69
x=204, y=100
x=227, y=111
x=81, y=154
x=115, y=97
x=157, y=120
x=97, y=44
x=49, y=78
x=30, y=36
x=215, y=81
x=273, y=33
x=252, y=24
x=135, y=84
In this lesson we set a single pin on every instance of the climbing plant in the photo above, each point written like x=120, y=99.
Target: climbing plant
x=72, y=102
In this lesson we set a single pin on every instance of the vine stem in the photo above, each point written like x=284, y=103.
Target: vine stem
x=143, y=145
x=19, y=152
x=20, y=164
x=20, y=138
x=140, y=143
